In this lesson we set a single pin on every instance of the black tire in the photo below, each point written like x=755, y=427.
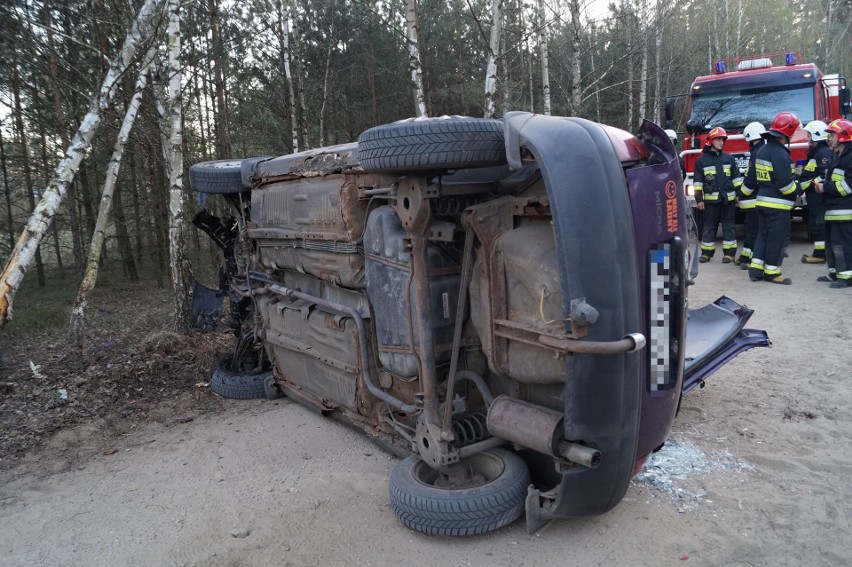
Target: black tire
x=247, y=170
x=435, y=510
x=220, y=177
x=237, y=386
x=432, y=144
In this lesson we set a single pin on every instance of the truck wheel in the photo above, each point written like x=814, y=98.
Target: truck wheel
x=433, y=143
x=234, y=385
x=219, y=177
x=480, y=494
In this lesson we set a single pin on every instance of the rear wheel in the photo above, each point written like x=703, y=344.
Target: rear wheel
x=451, y=142
x=482, y=493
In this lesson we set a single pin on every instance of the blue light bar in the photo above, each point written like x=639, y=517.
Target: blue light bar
x=720, y=67
x=790, y=58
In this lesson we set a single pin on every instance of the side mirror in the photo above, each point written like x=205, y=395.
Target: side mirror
x=670, y=102
x=843, y=97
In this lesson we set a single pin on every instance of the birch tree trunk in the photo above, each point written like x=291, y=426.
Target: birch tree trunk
x=545, y=66
x=76, y=326
x=25, y=248
x=592, y=39
x=181, y=272
x=625, y=7
x=493, y=53
x=414, y=58
x=643, y=73
x=658, y=43
x=285, y=59
x=576, y=28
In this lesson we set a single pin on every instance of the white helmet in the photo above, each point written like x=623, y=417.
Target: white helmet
x=753, y=131
x=672, y=135
x=817, y=130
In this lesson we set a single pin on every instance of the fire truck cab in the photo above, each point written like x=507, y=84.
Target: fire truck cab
x=755, y=89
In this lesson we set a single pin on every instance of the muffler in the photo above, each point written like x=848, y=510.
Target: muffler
x=537, y=428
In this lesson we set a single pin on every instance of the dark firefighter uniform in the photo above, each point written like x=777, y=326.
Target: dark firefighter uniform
x=814, y=170
x=837, y=190
x=776, y=195
x=747, y=202
x=716, y=180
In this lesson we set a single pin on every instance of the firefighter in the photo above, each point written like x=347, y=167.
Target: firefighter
x=819, y=154
x=673, y=137
x=746, y=195
x=716, y=181
x=837, y=194
x=776, y=195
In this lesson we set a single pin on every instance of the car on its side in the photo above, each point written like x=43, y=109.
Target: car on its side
x=503, y=303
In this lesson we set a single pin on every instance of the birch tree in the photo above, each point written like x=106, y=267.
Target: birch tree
x=576, y=29
x=643, y=72
x=414, y=64
x=545, y=66
x=493, y=53
x=90, y=278
x=284, y=46
x=181, y=273
x=142, y=30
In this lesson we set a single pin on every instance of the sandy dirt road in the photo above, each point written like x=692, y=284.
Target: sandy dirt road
x=759, y=474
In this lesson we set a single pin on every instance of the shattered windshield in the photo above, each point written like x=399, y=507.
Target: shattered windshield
x=734, y=109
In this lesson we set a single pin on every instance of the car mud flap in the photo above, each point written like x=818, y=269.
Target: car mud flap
x=596, y=253
x=715, y=335
x=206, y=308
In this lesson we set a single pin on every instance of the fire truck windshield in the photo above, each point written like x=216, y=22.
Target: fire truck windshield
x=734, y=109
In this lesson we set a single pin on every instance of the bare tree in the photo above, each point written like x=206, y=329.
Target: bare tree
x=545, y=66
x=414, y=64
x=576, y=31
x=223, y=136
x=78, y=313
x=284, y=47
x=143, y=29
x=328, y=59
x=493, y=54
x=181, y=272
x=643, y=73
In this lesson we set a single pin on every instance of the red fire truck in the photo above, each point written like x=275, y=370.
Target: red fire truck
x=755, y=89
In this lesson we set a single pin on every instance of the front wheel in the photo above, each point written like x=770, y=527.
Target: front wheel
x=482, y=493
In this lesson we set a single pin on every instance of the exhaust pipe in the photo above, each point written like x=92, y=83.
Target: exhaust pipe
x=537, y=428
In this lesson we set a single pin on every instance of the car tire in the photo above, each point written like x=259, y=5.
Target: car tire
x=432, y=144
x=235, y=385
x=438, y=510
x=219, y=177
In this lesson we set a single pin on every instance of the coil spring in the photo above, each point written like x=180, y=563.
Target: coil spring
x=452, y=205
x=470, y=428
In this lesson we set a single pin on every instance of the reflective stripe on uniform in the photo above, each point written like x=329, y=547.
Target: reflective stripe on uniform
x=756, y=264
x=773, y=203
x=711, y=197
x=819, y=245
x=811, y=165
x=708, y=246
x=787, y=189
x=839, y=178
x=729, y=244
x=747, y=204
x=763, y=170
x=771, y=270
x=838, y=215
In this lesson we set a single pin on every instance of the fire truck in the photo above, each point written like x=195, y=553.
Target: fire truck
x=755, y=89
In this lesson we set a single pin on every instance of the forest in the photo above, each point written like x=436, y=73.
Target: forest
x=269, y=77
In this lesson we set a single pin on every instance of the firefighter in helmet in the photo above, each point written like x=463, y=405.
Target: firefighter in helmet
x=816, y=163
x=837, y=193
x=776, y=195
x=747, y=198
x=717, y=180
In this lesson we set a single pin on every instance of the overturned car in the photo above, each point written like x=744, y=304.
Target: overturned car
x=501, y=302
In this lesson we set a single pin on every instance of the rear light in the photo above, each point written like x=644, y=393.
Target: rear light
x=689, y=190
